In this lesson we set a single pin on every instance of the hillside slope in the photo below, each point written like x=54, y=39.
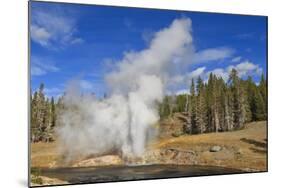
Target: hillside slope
x=243, y=149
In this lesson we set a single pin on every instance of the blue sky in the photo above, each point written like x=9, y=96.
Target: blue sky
x=82, y=42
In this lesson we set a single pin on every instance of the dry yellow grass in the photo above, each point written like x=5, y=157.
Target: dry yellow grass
x=243, y=149
x=44, y=154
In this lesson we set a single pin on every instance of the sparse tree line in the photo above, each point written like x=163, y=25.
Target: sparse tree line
x=219, y=105
x=43, y=116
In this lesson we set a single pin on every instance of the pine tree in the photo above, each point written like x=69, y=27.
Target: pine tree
x=220, y=106
x=42, y=116
x=180, y=103
x=34, y=121
x=47, y=130
x=263, y=87
x=192, y=106
x=188, y=123
x=216, y=105
x=228, y=111
x=53, y=112
x=221, y=90
x=250, y=88
x=201, y=108
x=210, y=103
x=37, y=114
x=238, y=99
x=213, y=98
x=257, y=106
x=263, y=91
x=164, y=108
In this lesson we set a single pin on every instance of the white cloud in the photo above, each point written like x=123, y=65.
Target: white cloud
x=41, y=67
x=236, y=59
x=53, y=92
x=246, y=68
x=77, y=41
x=186, y=79
x=37, y=71
x=40, y=35
x=197, y=72
x=213, y=54
x=53, y=29
x=219, y=73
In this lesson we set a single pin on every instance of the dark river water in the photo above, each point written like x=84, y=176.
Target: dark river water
x=124, y=173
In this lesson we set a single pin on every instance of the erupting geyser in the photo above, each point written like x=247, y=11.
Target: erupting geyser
x=123, y=121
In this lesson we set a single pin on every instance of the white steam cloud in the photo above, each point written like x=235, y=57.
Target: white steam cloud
x=123, y=122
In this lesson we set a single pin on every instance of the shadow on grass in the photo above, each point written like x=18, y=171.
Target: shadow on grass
x=260, y=151
x=261, y=146
x=254, y=142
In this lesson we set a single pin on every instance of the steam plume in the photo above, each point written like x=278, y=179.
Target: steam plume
x=123, y=121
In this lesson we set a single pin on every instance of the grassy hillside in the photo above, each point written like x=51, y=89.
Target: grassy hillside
x=243, y=149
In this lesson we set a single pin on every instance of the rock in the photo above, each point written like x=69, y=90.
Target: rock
x=172, y=153
x=215, y=149
x=239, y=152
x=177, y=156
x=100, y=161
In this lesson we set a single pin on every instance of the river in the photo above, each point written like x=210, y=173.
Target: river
x=124, y=173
